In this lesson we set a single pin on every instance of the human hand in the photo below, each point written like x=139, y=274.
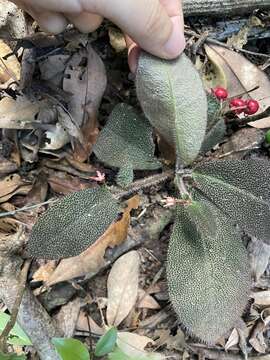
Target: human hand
x=154, y=25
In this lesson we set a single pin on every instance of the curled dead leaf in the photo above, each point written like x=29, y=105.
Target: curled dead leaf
x=92, y=259
x=9, y=68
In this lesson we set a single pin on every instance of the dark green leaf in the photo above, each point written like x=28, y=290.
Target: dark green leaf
x=106, y=343
x=240, y=188
x=125, y=175
x=71, y=349
x=214, y=136
x=208, y=271
x=73, y=224
x=126, y=139
x=173, y=99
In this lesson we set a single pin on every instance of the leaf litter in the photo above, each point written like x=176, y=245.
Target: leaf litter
x=62, y=136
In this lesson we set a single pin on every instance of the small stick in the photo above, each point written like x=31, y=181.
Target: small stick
x=15, y=309
x=216, y=42
x=25, y=208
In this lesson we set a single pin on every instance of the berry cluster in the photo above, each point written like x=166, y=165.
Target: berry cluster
x=237, y=105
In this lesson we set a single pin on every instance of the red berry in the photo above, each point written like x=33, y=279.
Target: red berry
x=220, y=93
x=252, y=107
x=238, y=103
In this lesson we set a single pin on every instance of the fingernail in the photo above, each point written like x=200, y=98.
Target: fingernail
x=176, y=43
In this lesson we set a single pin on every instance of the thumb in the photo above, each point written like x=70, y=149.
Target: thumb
x=148, y=24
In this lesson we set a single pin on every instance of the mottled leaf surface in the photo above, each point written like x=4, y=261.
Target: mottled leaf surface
x=73, y=224
x=126, y=139
x=174, y=101
x=240, y=188
x=214, y=136
x=208, y=275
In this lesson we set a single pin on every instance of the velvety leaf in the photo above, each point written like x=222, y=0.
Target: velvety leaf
x=123, y=282
x=70, y=349
x=207, y=270
x=240, y=188
x=92, y=259
x=126, y=139
x=72, y=224
x=214, y=136
x=173, y=99
x=106, y=343
x=125, y=175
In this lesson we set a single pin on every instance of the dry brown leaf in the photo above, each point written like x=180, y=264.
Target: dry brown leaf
x=123, y=282
x=67, y=317
x=261, y=124
x=147, y=301
x=233, y=340
x=9, y=68
x=63, y=183
x=172, y=342
x=44, y=271
x=85, y=78
x=261, y=297
x=83, y=324
x=259, y=254
x=22, y=190
x=7, y=166
x=92, y=259
x=257, y=339
x=133, y=345
x=241, y=75
x=19, y=113
x=9, y=184
x=38, y=193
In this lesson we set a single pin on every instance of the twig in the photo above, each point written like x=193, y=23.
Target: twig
x=216, y=42
x=32, y=317
x=145, y=183
x=15, y=309
x=26, y=208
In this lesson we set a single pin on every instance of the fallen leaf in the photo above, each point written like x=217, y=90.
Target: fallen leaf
x=240, y=75
x=122, y=287
x=7, y=166
x=55, y=138
x=147, y=301
x=92, y=259
x=261, y=297
x=68, y=316
x=9, y=68
x=233, y=340
x=172, y=342
x=260, y=124
x=133, y=345
x=85, y=78
x=259, y=254
x=9, y=184
x=19, y=113
x=84, y=321
x=257, y=339
x=44, y=271
x=64, y=183
x=22, y=190
x=38, y=193
x=53, y=67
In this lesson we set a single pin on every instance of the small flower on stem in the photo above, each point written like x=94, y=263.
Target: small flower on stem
x=99, y=178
